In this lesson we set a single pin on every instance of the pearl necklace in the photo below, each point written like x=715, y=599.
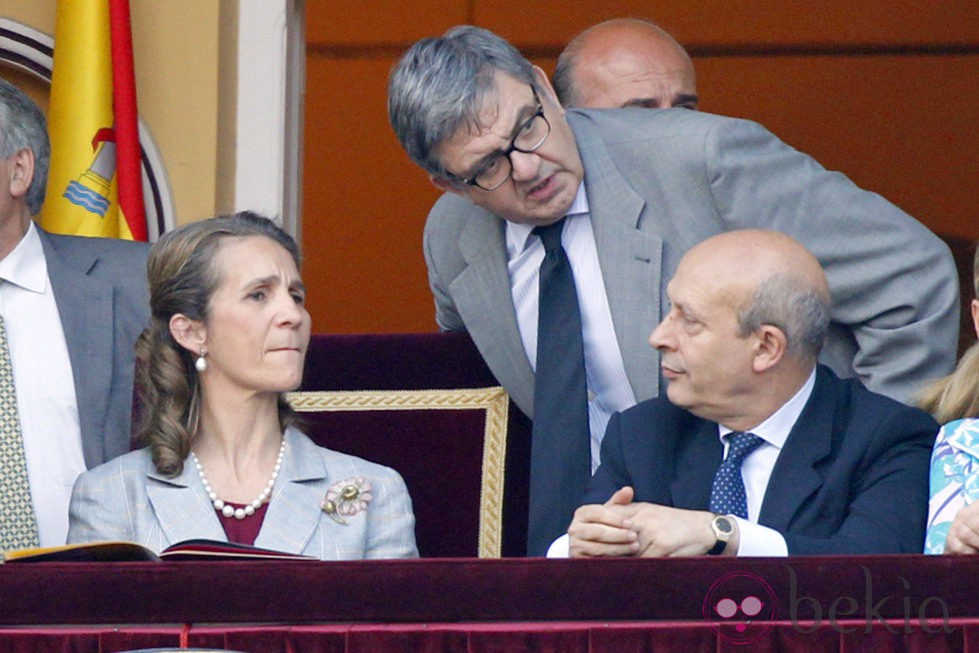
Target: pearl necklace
x=249, y=510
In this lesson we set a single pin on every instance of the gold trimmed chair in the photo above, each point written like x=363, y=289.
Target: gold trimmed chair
x=426, y=405
x=494, y=401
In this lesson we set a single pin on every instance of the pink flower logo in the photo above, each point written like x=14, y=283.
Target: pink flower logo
x=346, y=498
x=741, y=607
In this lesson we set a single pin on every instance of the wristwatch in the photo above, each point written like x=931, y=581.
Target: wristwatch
x=723, y=527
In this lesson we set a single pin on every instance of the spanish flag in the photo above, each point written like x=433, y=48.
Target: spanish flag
x=95, y=187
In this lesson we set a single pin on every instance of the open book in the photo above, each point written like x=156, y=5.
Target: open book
x=132, y=552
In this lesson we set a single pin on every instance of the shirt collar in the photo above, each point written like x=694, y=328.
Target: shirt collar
x=775, y=430
x=25, y=266
x=517, y=234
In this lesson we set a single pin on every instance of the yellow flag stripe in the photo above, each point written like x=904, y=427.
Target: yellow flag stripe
x=81, y=196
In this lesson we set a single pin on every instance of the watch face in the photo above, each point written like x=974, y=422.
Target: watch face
x=723, y=525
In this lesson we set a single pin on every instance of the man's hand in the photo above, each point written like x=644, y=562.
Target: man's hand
x=963, y=535
x=622, y=528
x=672, y=532
x=606, y=529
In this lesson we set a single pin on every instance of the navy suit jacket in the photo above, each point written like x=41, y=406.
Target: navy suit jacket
x=852, y=477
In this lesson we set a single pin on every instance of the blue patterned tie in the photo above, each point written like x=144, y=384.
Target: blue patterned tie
x=727, y=495
x=18, y=526
x=560, y=458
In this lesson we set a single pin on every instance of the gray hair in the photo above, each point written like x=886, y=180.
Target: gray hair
x=22, y=125
x=441, y=84
x=792, y=305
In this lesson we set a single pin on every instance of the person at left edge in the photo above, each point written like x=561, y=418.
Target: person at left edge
x=228, y=336
x=73, y=308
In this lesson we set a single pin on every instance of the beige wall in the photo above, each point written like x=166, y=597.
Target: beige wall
x=181, y=48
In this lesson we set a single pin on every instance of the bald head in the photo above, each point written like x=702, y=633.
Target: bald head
x=769, y=278
x=625, y=62
x=749, y=311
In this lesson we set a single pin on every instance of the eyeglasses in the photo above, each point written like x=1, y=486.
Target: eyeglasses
x=530, y=136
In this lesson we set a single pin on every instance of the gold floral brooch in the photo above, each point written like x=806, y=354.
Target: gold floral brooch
x=346, y=498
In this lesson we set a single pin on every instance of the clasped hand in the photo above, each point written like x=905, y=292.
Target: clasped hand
x=620, y=527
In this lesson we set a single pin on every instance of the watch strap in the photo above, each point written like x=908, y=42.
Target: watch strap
x=718, y=548
x=723, y=535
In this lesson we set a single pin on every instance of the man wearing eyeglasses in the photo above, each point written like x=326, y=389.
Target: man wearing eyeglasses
x=637, y=189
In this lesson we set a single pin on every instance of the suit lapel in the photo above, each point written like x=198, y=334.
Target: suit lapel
x=294, y=511
x=483, y=298
x=85, y=306
x=631, y=260
x=795, y=477
x=182, y=508
x=696, y=463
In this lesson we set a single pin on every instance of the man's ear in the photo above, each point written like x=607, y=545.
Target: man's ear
x=446, y=185
x=550, y=96
x=21, y=172
x=189, y=334
x=770, y=346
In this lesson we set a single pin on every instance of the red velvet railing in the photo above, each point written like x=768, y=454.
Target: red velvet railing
x=810, y=603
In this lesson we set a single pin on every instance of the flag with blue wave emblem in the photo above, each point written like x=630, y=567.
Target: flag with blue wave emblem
x=95, y=184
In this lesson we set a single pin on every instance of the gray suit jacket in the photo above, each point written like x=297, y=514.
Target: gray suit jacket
x=101, y=291
x=659, y=182
x=126, y=499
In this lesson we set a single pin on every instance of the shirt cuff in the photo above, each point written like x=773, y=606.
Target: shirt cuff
x=755, y=540
x=560, y=548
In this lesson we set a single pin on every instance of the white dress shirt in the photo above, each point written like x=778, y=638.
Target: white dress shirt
x=756, y=470
x=608, y=386
x=44, y=384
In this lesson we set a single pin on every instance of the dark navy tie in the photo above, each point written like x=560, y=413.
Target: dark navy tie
x=560, y=461
x=727, y=495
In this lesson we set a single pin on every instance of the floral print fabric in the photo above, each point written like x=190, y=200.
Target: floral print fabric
x=953, y=480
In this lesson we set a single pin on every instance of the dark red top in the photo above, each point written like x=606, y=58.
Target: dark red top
x=243, y=531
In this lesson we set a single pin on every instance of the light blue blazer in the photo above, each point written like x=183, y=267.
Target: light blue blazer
x=127, y=499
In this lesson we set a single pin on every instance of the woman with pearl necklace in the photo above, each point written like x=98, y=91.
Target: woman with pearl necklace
x=227, y=337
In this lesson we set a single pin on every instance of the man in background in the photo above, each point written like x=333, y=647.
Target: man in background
x=625, y=62
x=72, y=309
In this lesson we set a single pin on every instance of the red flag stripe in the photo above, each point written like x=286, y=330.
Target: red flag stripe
x=128, y=152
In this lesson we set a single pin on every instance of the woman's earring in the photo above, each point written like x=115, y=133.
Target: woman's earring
x=201, y=362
